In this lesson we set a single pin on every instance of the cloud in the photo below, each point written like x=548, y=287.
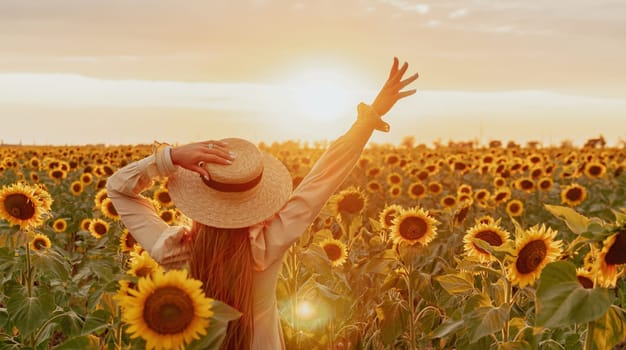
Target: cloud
x=408, y=6
x=458, y=13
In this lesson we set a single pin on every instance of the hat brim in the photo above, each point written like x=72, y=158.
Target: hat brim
x=231, y=209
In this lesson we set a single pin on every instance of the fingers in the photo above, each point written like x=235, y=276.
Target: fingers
x=403, y=94
x=400, y=72
x=408, y=81
x=394, y=68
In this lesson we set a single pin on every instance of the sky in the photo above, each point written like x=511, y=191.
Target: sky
x=128, y=72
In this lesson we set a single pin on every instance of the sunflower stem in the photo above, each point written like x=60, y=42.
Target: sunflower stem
x=29, y=274
x=411, y=305
x=508, y=290
x=588, y=338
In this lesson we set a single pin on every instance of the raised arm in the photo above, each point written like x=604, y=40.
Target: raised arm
x=270, y=241
x=124, y=188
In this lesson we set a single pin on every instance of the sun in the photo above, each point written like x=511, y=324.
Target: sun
x=322, y=93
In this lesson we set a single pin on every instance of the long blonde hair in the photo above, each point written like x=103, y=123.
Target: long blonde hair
x=222, y=260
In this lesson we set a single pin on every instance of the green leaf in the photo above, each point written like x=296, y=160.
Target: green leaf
x=81, y=342
x=489, y=320
x=29, y=313
x=609, y=330
x=455, y=284
x=4, y=317
x=446, y=328
x=562, y=301
x=575, y=221
x=96, y=322
x=222, y=314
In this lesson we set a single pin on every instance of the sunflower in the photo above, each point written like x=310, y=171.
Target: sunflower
x=435, y=187
x=416, y=190
x=386, y=216
x=491, y=233
x=168, y=215
x=611, y=255
x=86, y=178
x=142, y=265
x=100, y=196
x=76, y=187
x=167, y=311
x=127, y=241
x=350, y=201
x=373, y=186
x=584, y=277
x=98, y=228
x=34, y=177
x=545, y=183
x=123, y=296
x=534, y=249
x=108, y=209
x=394, y=179
x=526, y=184
x=499, y=181
x=59, y=225
x=595, y=170
x=485, y=219
x=515, y=207
x=395, y=191
x=373, y=172
x=336, y=251
x=85, y=223
x=40, y=243
x=413, y=225
x=481, y=195
x=573, y=195
x=20, y=205
x=57, y=174
x=464, y=189
x=162, y=196
x=448, y=201
x=502, y=195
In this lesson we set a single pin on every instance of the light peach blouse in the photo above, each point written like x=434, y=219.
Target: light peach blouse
x=269, y=240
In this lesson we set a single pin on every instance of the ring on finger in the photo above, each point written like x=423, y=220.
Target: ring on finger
x=201, y=164
x=209, y=146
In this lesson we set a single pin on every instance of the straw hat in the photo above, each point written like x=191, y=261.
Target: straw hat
x=251, y=189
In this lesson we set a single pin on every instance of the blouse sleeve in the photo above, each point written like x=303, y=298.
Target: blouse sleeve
x=124, y=188
x=271, y=239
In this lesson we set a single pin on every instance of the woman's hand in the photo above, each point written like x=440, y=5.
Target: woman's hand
x=390, y=93
x=194, y=156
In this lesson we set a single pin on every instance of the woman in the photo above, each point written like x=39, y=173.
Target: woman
x=244, y=213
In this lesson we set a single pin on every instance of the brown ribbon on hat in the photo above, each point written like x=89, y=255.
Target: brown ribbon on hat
x=224, y=187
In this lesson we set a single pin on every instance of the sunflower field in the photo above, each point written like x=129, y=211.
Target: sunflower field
x=445, y=247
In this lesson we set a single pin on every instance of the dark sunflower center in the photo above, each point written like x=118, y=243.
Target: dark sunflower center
x=617, y=253
x=489, y=236
x=389, y=217
x=333, y=252
x=19, y=206
x=166, y=216
x=449, y=201
x=595, y=170
x=130, y=241
x=143, y=271
x=39, y=244
x=111, y=209
x=531, y=256
x=395, y=179
x=100, y=228
x=351, y=203
x=500, y=196
x=59, y=225
x=168, y=310
x=164, y=197
x=413, y=228
x=585, y=282
x=418, y=190
x=544, y=184
x=77, y=187
x=574, y=194
x=526, y=184
x=481, y=195
x=514, y=208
